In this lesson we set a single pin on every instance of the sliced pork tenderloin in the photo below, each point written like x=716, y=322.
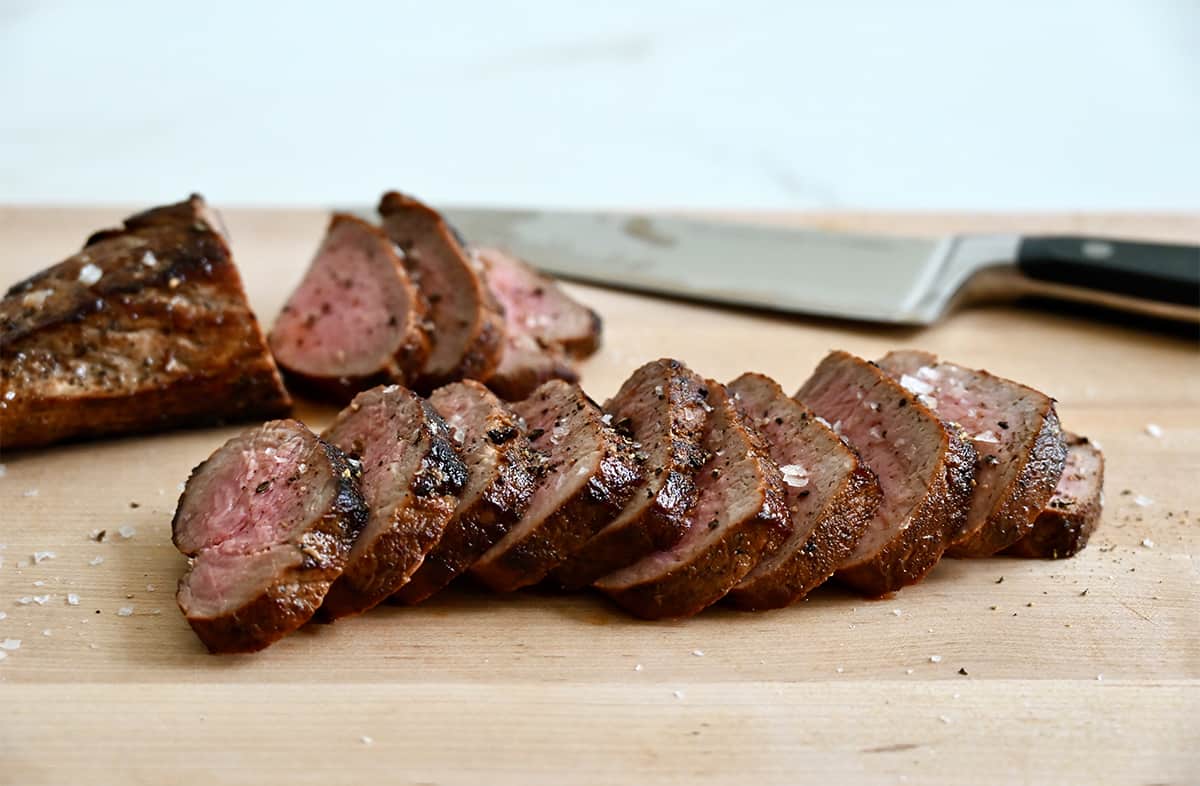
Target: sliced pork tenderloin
x=466, y=322
x=589, y=473
x=662, y=407
x=925, y=471
x=146, y=329
x=1065, y=524
x=355, y=320
x=525, y=364
x=267, y=522
x=539, y=305
x=1017, y=438
x=831, y=496
x=412, y=475
x=502, y=472
x=739, y=516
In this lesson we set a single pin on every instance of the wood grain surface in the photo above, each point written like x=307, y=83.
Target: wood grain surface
x=1082, y=671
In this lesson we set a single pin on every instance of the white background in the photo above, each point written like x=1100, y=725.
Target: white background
x=751, y=104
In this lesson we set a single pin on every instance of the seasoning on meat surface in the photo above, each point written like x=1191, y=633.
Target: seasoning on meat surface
x=146, y=329
x=925, y=471
x=267, y=522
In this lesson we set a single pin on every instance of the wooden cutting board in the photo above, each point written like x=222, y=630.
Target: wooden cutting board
x=1082, y=671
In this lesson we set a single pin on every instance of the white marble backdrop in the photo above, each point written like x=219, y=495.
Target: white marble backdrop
x=751, y=104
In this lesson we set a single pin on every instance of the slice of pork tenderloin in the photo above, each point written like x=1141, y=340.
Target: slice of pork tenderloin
x=1065, y=524
x=925, y=470
x=466, y=322
x=525, y=364
x=356, y=319
x=740, y=515
x=1017, y=437
x=831, y=495
x=662, y=407
x=147, y=328
x=589, y=473
x=539, y=305
x=502, y=471
x=267, y=522
x=412, y=475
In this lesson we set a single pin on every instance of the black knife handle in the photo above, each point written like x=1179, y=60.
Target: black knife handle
x=1161, y=272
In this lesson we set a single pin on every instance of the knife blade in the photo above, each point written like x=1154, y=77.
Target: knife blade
x=878, y=278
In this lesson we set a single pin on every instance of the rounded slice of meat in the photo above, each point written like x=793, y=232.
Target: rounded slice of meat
x=525, y=364
x=589, y=471
x=467, y=323
x=537, y=304
x=501, y=474
x=662, y=408
x=267, y=521
x=356, y=319
x=411, y=478
x=925, y=471
x=740, y=515
x=1016, y=435
x=831, y=496
x=1065, y=524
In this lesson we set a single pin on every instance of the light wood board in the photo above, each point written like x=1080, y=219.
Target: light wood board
x=1082, y=671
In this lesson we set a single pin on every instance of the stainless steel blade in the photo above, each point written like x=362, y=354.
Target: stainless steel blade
x=886, y=279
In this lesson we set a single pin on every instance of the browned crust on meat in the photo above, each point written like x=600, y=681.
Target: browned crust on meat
x=1064, y=526
x=561, y=534
x=227, y=371
x=698, y=583
x=476, y=528
x=293, y=598
x=1014, y=515
x=487, y=331
x=840, y=525
x=515, y=381
x=663, y=521
x=414, y=530
x=917, y=548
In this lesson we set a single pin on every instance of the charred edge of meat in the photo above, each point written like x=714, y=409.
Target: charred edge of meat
x=906, y=560
x=443, y=473
x=1033, y=487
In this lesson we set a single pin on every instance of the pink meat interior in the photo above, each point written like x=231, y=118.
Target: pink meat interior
x=1081, y=474
x=348, y=316
x=532, y=302
x=220, y=581
x=379, y=427
x=899, y=439
x=1003, y=418
x=260, y=488
x=813, y=460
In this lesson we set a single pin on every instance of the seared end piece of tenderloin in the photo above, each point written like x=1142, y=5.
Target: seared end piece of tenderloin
x=467, y=325
x=502, y=471
x=740, y=515
x=356, y=319
x=925, y=470
x=662, y=407
x=588, y=474
x=1016, y=435
x=1067, y=521
x=831, y=496
x=147, y=328
x=267, y=521
x=411, y=478
x=539, y=305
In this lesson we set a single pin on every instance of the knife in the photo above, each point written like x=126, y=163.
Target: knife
x=878, y=278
